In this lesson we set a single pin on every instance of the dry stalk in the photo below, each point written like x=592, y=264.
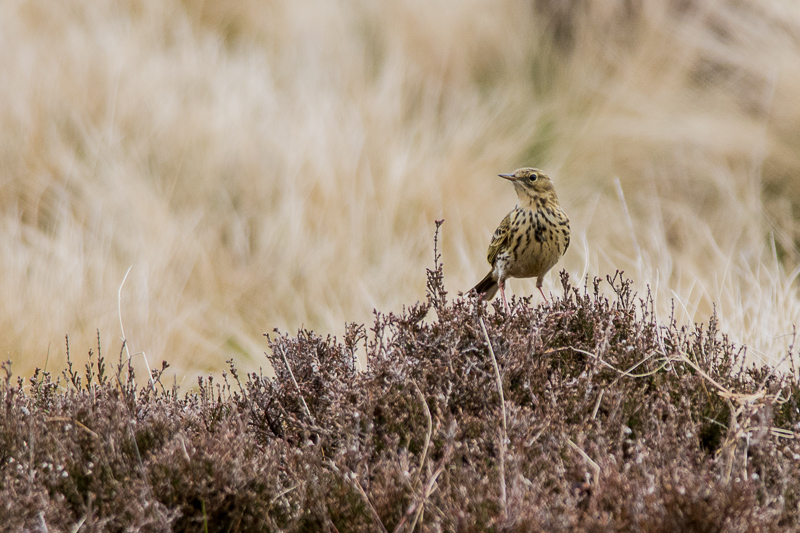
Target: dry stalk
x=296, y=386
x=122, y=329
x=429, y=488
x=281, y=494
x=735, y=429
x=73, y=421
x=418, y=508
x=625, y=373
x=597, y=404
x=722, y=391
x=427, y=436
x=504, y=435
x=364, y=496
x=589, y=461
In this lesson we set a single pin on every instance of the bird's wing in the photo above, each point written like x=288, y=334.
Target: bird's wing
x=499, y=239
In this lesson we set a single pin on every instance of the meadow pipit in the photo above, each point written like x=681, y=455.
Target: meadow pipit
x=532, y=237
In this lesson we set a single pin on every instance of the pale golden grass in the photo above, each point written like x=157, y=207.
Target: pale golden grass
x=280, y=164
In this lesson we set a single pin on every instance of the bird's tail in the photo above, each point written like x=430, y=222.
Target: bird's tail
x=487, y=287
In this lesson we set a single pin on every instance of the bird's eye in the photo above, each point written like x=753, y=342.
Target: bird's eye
x=532, y=177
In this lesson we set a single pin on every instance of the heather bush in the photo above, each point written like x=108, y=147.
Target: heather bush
x=612, y=420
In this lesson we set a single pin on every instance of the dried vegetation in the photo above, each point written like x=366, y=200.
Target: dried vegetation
x=268, y=163
x=611, y=420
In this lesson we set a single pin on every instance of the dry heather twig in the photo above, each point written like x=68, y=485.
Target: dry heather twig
x=504, y=436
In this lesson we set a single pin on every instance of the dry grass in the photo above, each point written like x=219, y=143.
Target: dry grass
x=280, y=164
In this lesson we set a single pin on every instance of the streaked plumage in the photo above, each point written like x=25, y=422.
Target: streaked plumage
x=531, y=239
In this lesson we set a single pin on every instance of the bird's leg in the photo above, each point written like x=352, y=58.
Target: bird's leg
x=543, y=296
x=503, y=294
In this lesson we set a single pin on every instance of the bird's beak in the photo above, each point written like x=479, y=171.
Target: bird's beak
x=510, y=177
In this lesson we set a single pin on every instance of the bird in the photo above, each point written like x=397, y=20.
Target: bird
x=531, y=238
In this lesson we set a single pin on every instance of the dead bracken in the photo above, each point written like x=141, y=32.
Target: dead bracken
x=613, y=422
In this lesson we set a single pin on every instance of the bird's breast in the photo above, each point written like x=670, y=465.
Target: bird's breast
x=537, y=240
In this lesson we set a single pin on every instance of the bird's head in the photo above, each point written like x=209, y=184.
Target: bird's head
x=531, y=183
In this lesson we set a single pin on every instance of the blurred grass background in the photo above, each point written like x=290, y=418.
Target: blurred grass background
x=265, y=164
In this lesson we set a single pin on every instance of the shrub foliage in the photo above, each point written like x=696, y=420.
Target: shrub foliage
x=611, y=420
